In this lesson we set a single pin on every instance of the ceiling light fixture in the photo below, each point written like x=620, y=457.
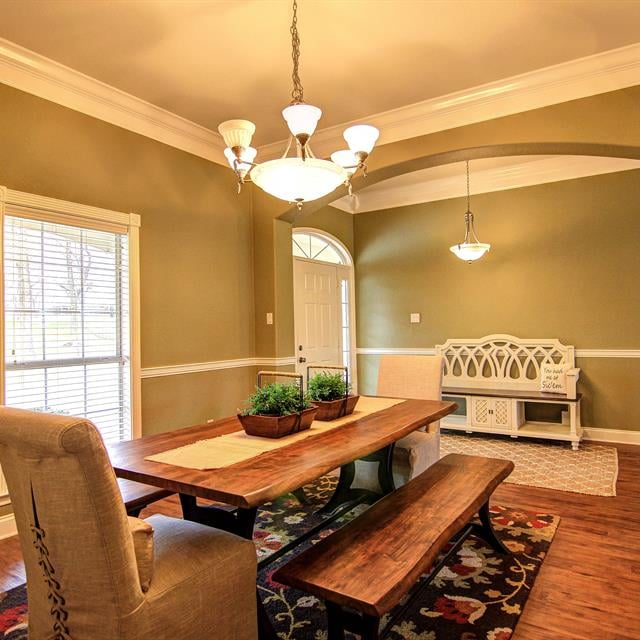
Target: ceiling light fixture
x=471, y=248
x=300, y=177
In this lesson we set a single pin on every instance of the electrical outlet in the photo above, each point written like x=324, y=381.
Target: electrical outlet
x=414, y=318
x=269, y=318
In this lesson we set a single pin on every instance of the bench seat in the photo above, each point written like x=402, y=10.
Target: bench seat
x=372, y=562
x=136, y=495
x=524, y=394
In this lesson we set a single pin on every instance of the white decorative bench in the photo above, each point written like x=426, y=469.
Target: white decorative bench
x=495, y=377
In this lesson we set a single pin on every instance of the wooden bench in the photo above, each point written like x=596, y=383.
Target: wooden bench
x=136, y=496
x=365, y=568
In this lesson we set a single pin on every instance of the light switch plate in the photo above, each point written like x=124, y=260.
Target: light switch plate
x=414, y=318
x=269, y=318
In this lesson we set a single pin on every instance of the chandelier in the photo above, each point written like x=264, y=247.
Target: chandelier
x=471, y=248
x=299, y=177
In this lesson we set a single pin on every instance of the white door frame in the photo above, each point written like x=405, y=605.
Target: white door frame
x=346, y=272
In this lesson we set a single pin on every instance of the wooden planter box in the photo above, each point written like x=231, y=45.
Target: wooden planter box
x=278, y=426
x=333, y=409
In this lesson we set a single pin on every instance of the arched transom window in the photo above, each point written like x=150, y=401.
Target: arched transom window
x=315, y=247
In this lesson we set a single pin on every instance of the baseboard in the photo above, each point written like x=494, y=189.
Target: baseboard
x=618, y=436
x=8, y=526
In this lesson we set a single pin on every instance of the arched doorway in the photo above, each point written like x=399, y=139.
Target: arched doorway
x=323, y=301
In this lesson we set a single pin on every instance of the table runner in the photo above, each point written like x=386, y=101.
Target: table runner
x=228, y=449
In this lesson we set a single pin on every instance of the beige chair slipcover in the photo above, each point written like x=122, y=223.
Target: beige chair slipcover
x=95, y=574
x=420, y=378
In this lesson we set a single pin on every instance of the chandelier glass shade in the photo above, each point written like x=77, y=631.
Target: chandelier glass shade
x=298, y=180
x=470, y=249
x=299, y=177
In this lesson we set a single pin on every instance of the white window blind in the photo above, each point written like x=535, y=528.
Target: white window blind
x=67, y=322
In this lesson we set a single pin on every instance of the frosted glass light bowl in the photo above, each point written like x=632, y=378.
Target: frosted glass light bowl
x=297, y=180
x=470, y=251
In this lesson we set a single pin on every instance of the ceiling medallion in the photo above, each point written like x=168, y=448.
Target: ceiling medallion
x=299, y=177
x=470, y=249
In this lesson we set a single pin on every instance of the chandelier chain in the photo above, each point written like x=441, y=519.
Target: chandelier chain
x=298, y=93
x=468, y=191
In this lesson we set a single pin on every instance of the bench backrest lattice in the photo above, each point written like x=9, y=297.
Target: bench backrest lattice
x=501, y=361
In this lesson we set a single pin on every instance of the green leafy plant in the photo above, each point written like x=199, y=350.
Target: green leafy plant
x=276, y=399
x=327, y=386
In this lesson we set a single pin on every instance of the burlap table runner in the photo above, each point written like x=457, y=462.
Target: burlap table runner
x=230, y=448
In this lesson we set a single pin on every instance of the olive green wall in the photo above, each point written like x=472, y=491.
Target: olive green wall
x=196, y=244
x=564, y=263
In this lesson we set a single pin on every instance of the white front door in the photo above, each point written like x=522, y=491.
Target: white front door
x=317, y=314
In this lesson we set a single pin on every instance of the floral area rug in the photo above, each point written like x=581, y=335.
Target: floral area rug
x=478, y=595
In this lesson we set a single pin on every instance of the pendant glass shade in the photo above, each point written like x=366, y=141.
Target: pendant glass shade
x=347, y=159
x=302, y=118
x=247, y=155
x=470, y=251
x=361, y=137
x=237, y=133
x=471, y=248
x=297, y=180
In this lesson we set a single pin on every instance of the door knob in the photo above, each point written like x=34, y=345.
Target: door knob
x=301, y=359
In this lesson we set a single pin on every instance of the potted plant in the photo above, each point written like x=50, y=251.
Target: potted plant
x=330, y=393
x=277, y=409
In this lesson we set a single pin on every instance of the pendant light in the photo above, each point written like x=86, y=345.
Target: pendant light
x=470, y=249
x=300, y=177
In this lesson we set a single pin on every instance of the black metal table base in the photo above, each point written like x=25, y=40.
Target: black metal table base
x=345, y=492
x=345, y=497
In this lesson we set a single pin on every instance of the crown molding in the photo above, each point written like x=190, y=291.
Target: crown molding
x=410, y=351
x=388, y=195
x=217, y=365
x=607, y=71
x=579, y=78
x=29, y=71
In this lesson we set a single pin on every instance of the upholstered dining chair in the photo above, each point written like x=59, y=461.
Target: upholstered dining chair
x=415, y=377
x=93, y=573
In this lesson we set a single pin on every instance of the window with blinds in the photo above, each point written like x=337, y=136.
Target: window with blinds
x=66, y=318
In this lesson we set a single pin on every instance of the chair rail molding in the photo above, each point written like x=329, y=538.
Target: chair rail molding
x=599, y=73
x=8, y=527
x=199, y=367
x=414, y=351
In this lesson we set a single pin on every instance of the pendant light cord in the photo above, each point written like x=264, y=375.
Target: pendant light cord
x=298, y=93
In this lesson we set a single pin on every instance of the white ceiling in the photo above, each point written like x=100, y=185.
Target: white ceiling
x=486, y=175
x=213, y=60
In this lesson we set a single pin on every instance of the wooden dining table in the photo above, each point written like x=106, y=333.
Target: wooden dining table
x=251, y=483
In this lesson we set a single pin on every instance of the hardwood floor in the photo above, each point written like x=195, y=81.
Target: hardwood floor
x=589, y=586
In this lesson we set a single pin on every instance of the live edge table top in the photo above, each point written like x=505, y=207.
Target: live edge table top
x=263, y=478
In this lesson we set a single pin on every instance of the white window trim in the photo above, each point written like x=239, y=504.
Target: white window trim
x=19, y=203
x=347, y=270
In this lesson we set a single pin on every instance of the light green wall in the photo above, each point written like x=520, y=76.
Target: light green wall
x=564, y=263
x=196, y=242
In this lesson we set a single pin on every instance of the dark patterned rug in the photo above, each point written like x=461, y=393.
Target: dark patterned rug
x=479, y=595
